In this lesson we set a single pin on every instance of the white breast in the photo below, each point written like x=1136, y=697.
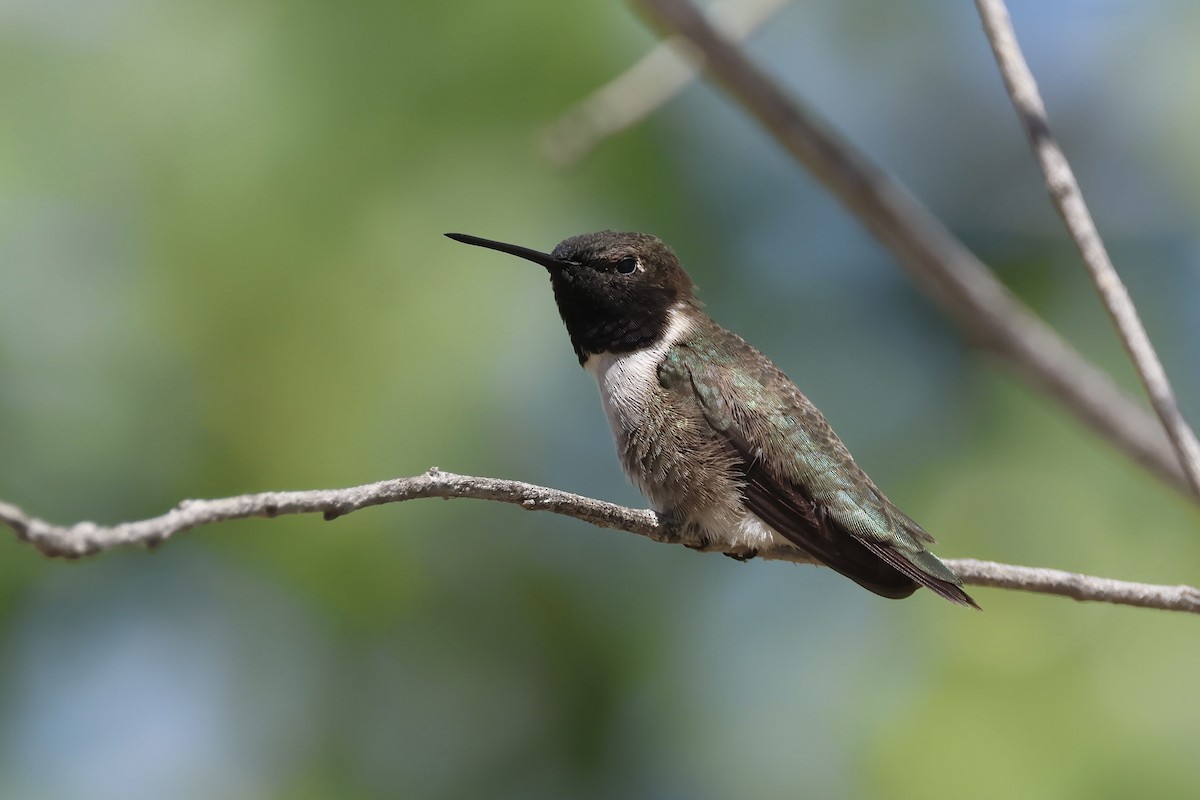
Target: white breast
x=627, y=381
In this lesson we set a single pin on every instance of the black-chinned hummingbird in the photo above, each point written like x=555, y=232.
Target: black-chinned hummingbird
x=712, y=432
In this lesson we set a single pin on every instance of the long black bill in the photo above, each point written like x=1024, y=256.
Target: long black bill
x=536, y=256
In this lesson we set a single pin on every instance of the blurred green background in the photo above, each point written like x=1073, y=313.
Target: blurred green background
x=222, y=270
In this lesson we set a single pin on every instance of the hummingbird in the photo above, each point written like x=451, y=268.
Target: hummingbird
x=720, y=441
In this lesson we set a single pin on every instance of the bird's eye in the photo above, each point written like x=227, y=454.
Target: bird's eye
x=627, y=265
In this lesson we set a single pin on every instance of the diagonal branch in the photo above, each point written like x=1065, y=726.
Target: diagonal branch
x=88, y=538
x=635, y=94
x=952, y=275
x=1068, y=199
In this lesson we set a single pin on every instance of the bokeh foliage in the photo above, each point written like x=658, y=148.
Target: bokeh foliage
x=221, y=270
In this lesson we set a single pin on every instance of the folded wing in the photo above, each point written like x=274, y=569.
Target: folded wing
x=800, y=479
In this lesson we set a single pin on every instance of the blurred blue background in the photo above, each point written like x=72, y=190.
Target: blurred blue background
x=222, y=271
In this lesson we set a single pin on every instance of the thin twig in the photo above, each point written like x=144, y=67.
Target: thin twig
x=1075, y=585
x=939, y=262
x=635, y=94
x=88, y=538
x=1068, y=199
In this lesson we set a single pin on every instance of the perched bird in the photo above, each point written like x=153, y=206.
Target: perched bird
x=714, y=434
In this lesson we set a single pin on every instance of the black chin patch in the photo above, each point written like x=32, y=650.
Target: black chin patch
x=609, y=324
x=615, y=336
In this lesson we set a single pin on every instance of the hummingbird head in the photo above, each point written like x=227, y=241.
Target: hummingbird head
x=615, y=291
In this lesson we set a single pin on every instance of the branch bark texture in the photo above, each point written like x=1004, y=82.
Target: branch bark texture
x=941, y=264
x=88, y=538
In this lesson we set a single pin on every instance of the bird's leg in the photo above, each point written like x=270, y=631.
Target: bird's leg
x=677, y=530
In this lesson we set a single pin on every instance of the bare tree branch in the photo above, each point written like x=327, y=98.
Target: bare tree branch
x=88, y=538
x=635, y=94
x=936, y=260
x=1075, y=585
x=1068, y=199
